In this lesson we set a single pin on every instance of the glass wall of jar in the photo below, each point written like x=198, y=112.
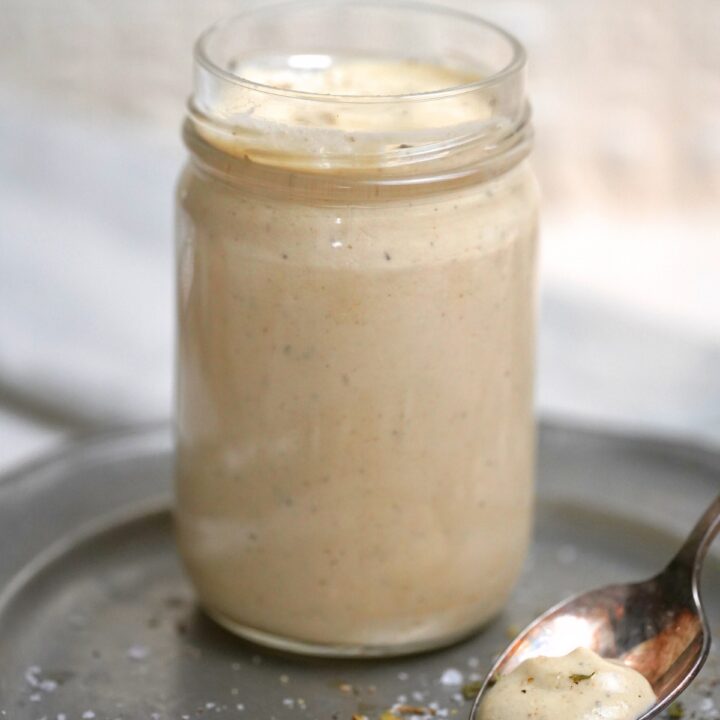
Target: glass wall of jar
x=356, y=238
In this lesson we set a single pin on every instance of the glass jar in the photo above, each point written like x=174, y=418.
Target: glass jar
x=356, y=237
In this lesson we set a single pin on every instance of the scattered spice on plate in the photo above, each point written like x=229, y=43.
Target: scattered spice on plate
x=411, y=710
x=471, y=689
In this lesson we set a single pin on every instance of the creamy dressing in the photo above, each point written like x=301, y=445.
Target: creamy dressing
x=355, y=376
x=577, y=686
x=351, y=76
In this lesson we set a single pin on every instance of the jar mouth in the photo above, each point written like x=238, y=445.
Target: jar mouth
x=203, y=53
x=406, y=87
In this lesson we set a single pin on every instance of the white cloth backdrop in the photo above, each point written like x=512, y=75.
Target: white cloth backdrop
x=627, y=111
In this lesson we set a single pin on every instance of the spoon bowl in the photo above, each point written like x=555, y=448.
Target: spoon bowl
x=657, y=627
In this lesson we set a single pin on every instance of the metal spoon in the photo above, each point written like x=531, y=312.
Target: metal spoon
x=658, y=627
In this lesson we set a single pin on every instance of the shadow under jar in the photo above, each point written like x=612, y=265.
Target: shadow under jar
x=356, y=238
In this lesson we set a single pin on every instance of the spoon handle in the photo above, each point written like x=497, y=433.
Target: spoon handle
x=692, y=554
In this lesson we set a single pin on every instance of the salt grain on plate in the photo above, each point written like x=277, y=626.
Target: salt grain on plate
x=31, y=675
x=708, y=708
x=451, y=677
x=240, y=707
x=88, y=715
x=473, y=662
x=138, y=652
x=33, y=679
x=403, y=676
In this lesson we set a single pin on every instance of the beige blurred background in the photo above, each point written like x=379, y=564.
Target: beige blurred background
x=626, y=98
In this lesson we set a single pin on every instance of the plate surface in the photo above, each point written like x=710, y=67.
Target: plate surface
x=97, y=620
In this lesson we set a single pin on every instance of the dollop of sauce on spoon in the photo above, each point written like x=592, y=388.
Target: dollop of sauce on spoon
x=577, y=686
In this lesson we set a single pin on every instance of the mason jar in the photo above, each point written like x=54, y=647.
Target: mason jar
x=356, y=235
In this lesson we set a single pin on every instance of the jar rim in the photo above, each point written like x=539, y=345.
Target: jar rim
x=516, y=63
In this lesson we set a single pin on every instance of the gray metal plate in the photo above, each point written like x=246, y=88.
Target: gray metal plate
x=97, y=620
